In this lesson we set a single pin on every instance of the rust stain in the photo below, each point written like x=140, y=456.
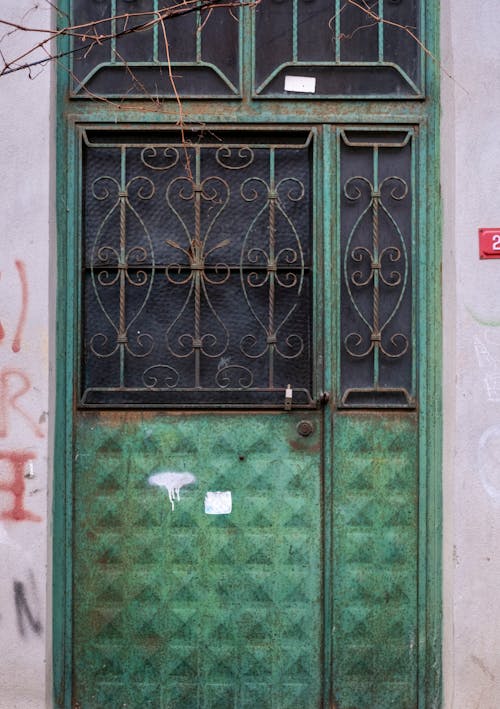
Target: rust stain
x=303, y=446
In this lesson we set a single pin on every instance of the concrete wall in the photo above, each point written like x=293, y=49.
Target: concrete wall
x=471, y=196
x=26, y=142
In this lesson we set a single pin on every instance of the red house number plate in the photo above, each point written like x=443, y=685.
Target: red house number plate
x=489, y=243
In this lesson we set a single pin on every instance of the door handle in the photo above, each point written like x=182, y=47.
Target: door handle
x=323, y=398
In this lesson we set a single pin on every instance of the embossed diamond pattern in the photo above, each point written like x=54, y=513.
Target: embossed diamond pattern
x=179, y=609
x=375, y=559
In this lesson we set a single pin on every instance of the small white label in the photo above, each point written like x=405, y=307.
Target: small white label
x=218, y=503
x=301, y=84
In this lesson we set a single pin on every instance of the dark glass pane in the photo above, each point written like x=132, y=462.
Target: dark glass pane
x=316, y=30
x=181, y=37
x=351, y=52
x=403, y=26
x=136, y=44
x=358, y=36
x=90, y=54
x=197, y=272
x=134, y=48
x=219, y=41
x=273, y=36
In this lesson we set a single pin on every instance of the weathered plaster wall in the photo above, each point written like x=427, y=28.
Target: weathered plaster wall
x=471, y=196
x=25, y=227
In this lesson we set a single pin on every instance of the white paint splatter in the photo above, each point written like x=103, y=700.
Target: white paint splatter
x=173, y=481
x=488, y=358
x=218, y=503
x=489, y=461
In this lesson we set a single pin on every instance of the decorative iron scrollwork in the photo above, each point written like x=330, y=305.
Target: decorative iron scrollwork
x=273, y=264
x=379, y=262
x=377, y=223
x=119, y=264
x=207, y=300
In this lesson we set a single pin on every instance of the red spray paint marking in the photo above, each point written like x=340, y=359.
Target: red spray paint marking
x=16, y=487
x=9, y=400
x=21, y=269
x=2, y=331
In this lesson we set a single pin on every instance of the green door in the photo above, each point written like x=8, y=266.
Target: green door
x=246, y=440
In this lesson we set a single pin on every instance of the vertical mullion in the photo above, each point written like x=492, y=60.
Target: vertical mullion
x=122, y=330
x=271, y=257
x=295, y=31
x=338, y=274
x=326, y=276
x=413, y=266
x=113, y=32
x=198, y=35
x=375, y=271
x=195, y=251
x=155, y=32
x=380, y=28
x=338, y=10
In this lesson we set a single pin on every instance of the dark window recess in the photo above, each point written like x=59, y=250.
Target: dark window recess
x=132, y=54
x=349, y=52
x=196, y=273
x=377, y=231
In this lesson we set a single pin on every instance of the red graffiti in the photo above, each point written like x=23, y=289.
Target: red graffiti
x=2, y=329
x=9, y=400
x=16, y=487
x=21, y=269
x=16, y=342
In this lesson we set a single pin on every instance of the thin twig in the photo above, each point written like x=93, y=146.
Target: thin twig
x=179, y=102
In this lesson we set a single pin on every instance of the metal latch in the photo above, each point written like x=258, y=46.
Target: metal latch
x=288, y=398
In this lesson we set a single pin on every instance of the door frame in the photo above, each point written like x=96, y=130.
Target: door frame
x=424, y=115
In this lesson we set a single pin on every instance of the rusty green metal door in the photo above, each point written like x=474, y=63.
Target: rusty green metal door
x=198, y=535
x=247, y=485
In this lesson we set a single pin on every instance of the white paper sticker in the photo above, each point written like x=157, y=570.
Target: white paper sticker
x=218, y=503
x=300, y=84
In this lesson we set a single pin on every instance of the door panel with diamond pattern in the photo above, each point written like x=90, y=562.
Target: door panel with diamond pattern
x=178, y=608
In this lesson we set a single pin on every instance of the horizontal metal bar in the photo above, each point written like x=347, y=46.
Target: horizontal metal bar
x=186, y=267
x=378, y=394
x=182, y=398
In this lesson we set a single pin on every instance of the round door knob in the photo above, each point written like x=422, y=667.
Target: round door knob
x=305, y=428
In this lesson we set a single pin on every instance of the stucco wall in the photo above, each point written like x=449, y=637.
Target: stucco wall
x=471, y=197
x=25, y=228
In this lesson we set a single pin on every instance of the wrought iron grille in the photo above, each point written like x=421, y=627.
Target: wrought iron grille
x=343, y=46
x=197, y=279
x=138, y=56
x=377, y=232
